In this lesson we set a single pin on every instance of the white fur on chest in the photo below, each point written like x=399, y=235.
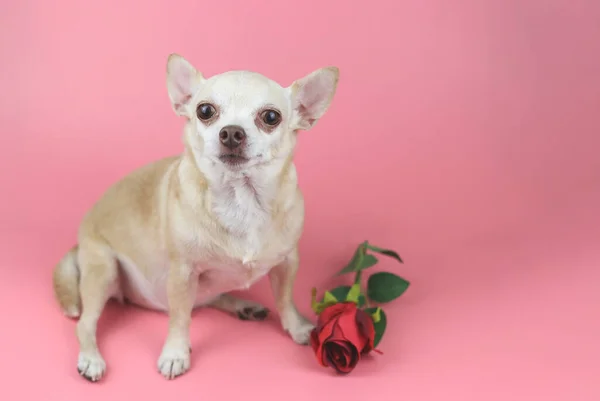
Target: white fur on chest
x=243, y=208
x=225, y=277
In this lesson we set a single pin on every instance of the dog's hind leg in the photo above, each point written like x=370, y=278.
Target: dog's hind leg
x=243, y=309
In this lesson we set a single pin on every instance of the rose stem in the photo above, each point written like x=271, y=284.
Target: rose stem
x=357, y=281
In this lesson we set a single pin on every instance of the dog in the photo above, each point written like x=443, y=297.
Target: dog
x=185, y=231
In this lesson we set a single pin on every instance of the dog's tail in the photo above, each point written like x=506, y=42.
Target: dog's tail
x=66, y=284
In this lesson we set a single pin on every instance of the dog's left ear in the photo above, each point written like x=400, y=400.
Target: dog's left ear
x=311, y=97
x=182, y=83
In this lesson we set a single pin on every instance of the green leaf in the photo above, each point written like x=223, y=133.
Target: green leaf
x=355, y=261
x=360, y=260
x=385, y=287
x=330, y=298
x=380, y=325
x=386, y=252
x=342, y=293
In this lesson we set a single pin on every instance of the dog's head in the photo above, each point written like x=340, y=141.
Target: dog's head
x=240, y=119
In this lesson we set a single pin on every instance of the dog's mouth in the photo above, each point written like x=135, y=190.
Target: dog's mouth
x=233, y=159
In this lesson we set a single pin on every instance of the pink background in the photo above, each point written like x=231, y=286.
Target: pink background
x=465, y=135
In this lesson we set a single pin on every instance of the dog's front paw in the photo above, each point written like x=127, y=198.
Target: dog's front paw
x=91, y=366
x=301, y=334
x=298, y=327
x=174, y=361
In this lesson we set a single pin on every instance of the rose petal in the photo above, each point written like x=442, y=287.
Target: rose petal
x=366, y=328
x=335, y=336
x=326, y=330
x=331, y=312
x=352, y=354
x=350, y=329
x=336, y=357
x=342, y=356
x=315, y=343
x=322, y=335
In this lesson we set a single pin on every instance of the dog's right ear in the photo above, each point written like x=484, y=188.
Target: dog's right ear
x=182, y=83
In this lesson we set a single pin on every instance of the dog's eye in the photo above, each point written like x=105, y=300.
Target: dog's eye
x=270, y=117
x=205, y=111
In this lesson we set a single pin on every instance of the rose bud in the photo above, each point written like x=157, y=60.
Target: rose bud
x=342, y=335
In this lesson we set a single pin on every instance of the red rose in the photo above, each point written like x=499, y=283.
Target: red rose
x=343, y=333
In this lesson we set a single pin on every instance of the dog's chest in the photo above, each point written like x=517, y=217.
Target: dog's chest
x=252, y=246
x=243, y=209
x=224, y=276
x=241, y=266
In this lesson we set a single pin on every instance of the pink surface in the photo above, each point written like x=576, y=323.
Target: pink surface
x=464, y=134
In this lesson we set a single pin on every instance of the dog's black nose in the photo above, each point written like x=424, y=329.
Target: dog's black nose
x=232, y=136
